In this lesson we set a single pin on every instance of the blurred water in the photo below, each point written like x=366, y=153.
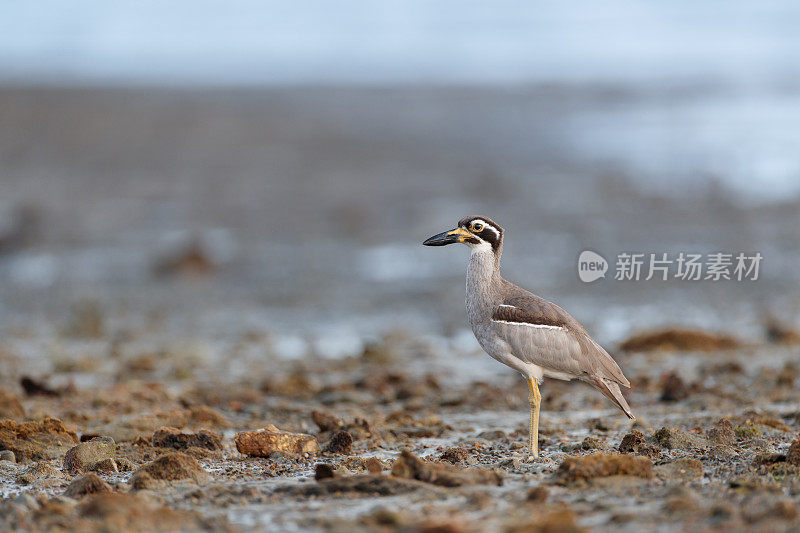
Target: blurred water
x=188, y=42
x=311, y=147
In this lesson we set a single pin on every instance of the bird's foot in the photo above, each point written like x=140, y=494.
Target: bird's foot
x=532, y=458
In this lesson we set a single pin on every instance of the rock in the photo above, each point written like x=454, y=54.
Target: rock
x=47, y=439
x=674, y=439
x=325, y=421
x=592, y=443
x=341, y=442
x=324, y=471
x=680, y=340
x=8, y=455
x=168, y=437
x=603, y=465
x=457, y=456
x=373, y=465
x=411, y=467
x=42, y=472
x=264, y=442
x=683, y=469
x=722, y=433
x=793, y=454
x=538, y=494
x=86, y=484
x=10, y=405
x=106, y=466
x=635, y=443
x=173, y=466
x=673, y=388
x=85, y=455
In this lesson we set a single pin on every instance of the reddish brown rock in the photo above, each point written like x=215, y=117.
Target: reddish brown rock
x=86, y=455
x=341, y=442
x=86, y=484
x=266, y=441
x=604, y=465
x=635, y=443
x=168, y=437
x=47, y=439
x=173, y=466
x=410, y=466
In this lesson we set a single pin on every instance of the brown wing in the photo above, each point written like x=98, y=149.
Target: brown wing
x=542, y=333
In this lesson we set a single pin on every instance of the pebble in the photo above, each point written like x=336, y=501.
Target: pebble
x=266, y=441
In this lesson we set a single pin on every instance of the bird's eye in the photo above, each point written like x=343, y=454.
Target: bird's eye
x=477, y=227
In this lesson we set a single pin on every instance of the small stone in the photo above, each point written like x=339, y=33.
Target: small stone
x=325, y=421
x=84, y=456
x=341, y=442
x=604, y=465
x=324, y=471
x=106, y=466
x=173, y=466
x=512, y=463
x=635, y=443
x=8, y=455
x=373, y=465
x=457, y=455
x=86, y=484
x=266, y=441
x=592, y=443
x=169, y=437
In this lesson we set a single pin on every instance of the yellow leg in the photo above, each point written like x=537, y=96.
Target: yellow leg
x=535, y=399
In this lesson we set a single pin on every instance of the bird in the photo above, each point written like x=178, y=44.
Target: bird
x=531, y=335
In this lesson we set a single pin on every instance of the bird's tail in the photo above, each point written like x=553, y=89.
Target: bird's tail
x=611, y=391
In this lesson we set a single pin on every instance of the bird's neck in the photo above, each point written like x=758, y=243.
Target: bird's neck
x=483, y=272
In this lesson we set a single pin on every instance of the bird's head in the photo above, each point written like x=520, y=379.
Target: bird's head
x=476, y=232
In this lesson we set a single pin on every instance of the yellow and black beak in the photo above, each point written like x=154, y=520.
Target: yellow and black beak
x=448, y=237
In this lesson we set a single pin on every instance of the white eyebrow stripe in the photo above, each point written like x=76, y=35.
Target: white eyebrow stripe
x=539, y=326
